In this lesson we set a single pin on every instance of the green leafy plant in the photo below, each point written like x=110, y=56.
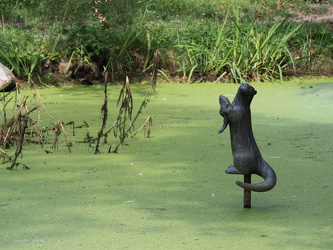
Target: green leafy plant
x=242, y=51
x=212, y=40
x=23, y=52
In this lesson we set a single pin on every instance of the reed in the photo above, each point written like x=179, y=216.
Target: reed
x=239, y=50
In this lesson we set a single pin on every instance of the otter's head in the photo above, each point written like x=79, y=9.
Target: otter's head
x=244, y=95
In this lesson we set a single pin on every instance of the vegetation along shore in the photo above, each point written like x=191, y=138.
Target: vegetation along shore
x=51, y=42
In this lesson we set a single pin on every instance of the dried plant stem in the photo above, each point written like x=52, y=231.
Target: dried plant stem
x=20, y=127
x=115, y=123
x=125, y=111
x=148, y=123
x=23, y=125
x=41, y=102
x=19, y=143
x=65, y=135
x=143, y=104
x=104, y=113
x=57, y=131
x=155, y=63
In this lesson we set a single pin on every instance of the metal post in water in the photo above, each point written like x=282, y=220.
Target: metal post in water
x=247, y=193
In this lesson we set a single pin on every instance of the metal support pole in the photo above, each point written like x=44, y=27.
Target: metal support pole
x=247, y=193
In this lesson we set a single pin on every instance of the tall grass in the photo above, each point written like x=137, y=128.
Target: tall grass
x=27, y=52
x=239, y=51
x=196, y=40
x=315, y=46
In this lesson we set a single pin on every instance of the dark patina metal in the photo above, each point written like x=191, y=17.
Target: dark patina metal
x=246, y=154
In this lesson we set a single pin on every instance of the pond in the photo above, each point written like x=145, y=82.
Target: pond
x=170, y=191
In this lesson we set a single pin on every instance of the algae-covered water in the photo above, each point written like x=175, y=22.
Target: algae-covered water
x=170, y=191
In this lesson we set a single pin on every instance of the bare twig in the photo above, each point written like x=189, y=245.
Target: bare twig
x=19, y=146
x=148, y=123
x=65, y=135
x=104, y=114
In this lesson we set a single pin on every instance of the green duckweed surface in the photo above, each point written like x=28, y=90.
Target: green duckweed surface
x=170, y=191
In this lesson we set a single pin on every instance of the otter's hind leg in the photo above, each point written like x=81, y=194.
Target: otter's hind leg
x=232, y=170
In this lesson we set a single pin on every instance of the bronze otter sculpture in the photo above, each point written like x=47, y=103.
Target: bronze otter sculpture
x=246, y=154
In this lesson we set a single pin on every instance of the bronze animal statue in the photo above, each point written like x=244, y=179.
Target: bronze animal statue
x=246, y=154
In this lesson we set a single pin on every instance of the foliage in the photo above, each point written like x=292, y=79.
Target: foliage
x=208, y=40
x=23, y=51
x=315, y=46
x=241, y=51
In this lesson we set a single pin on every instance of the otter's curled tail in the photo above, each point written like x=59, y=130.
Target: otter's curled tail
x=266, y=172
